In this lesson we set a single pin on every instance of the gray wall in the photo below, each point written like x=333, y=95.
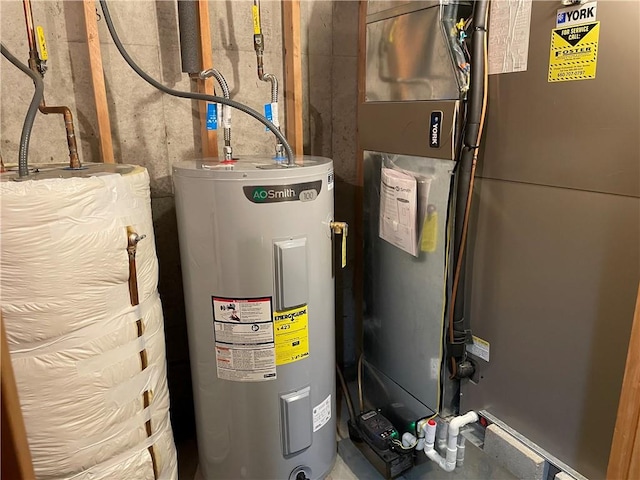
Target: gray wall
x=154, y=130
x=555, y=249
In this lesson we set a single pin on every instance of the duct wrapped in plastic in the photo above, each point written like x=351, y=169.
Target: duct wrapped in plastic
x=73, y=333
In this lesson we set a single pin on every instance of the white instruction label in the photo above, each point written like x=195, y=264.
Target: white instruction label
x=509, y=28
x=244, y=339
x=322, y=414
x=398, y=210
x=479, y=348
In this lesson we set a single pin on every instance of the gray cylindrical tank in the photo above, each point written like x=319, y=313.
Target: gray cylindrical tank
x=256, y=254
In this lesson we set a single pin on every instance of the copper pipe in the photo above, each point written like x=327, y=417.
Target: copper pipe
x=74, y=159
x=34, y=63
x=31, y=35
x=132, y=246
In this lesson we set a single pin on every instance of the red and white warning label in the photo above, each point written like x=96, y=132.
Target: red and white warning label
x=244, y=339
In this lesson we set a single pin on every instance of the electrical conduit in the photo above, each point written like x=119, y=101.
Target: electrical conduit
x=27, y=126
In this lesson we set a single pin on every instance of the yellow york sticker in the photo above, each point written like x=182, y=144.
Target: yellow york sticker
x=292, y=334
x=44, y=55
x=574, y=52
x=256, y=20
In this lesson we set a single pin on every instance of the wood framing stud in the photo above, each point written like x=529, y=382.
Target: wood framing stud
x=624, y=460
x=209, y=137
x=97, y=78
x=292, y=74
x=16, y=457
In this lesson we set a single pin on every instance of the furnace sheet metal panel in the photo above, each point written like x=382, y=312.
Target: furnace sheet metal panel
x=404, y=294
x=554, y=264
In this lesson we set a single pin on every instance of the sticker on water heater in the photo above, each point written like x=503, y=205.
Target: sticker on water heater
x=244, y=339
x=292, y=335
x=303, y=192
x=322, y=414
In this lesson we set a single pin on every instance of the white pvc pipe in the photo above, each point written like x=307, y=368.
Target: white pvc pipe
x=441, y=441
x=460, y=454
x=448, y=463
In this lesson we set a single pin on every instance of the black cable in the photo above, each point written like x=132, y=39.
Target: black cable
x=27, y=126
x=347, y=395
x=191, y=95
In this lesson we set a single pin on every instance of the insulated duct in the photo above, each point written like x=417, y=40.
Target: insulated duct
x=189, y=24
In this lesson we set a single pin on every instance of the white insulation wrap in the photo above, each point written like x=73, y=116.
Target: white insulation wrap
x=72, y=330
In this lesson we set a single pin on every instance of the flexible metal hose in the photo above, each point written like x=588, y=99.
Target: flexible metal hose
x=270, y=77
x=191, y=95
x=224, y=86
x=27, y=126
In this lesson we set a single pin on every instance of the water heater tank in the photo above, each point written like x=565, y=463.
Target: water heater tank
x=256, y=249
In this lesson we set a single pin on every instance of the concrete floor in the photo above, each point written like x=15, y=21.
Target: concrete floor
x=352, y=465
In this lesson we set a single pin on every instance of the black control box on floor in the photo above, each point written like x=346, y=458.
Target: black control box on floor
x=373, y=438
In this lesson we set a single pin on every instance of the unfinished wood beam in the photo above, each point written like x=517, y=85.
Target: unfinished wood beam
x=624, y=460
x=16, y=457
x=97, y=78
x=292, y=74
x=209, y=137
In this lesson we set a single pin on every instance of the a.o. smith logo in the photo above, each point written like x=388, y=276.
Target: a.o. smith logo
x=303, y=192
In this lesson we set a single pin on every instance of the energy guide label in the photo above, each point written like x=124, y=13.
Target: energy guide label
x=292, y=334
x=244, y=339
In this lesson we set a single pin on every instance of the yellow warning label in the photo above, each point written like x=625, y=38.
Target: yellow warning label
x=292, y=334
x=256, y=20
x=574, y=52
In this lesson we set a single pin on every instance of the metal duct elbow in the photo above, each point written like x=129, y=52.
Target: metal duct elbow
x=189, y=24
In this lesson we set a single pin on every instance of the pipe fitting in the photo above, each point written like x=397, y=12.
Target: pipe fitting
x=454, y=454
x=228, y=153
x=458, y=422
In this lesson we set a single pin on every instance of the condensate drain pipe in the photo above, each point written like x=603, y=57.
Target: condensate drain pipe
x=258, y=45
x=448, y=463
x=455, y=442
x=38, y=65
x=226, y=110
